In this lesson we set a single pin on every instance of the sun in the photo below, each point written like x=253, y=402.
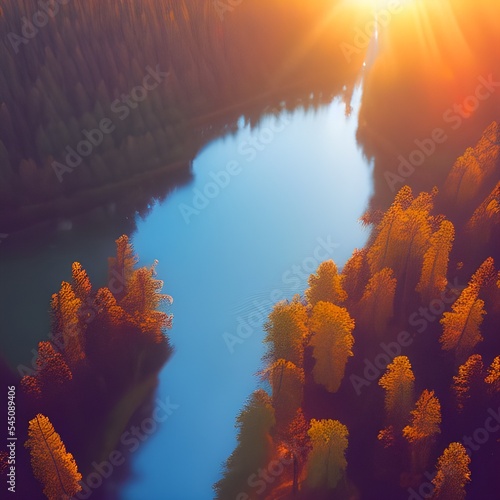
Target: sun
x=392, y=6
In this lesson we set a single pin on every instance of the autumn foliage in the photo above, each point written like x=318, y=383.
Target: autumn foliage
x=286, y=331
x=327, y=463
x=470, y=376
x=461, y=327
x=325, y=285
x=103, y=344
x=452, y=474
x=52, y=465
x=332, y=343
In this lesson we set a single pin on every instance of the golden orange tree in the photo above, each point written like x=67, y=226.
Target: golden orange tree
x=425, y=425
x=81, y=282
x=493, y=377
x=355, y=275
x=325, y=285
x=464, y=180
x=469, y=379
x=67, y=327
x=142, y=302
x=121, y=267
x=461, y=326
x=485, y=219
x=52, y=465
x=51, y=373
x=286, y=331
x=384, y=251
x=286, y=381
x=332, y=343
x=398, y=382
x=452, y=474
x=376, y=307
x=326, y=463
x=433, y=276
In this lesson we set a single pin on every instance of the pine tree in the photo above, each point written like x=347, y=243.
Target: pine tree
x=52, y=465
x=81, y=282
x=332, y=343
x=461, y=327
x=398, y=382
x=464, y=180
x=426, y=418
x=253, y=450
x=286, y=331
x=469, y=380
x=325, y=285
x=327, y=463
x=425, y=425
x=52, y=372
x=66, y=324
x=294, y=443
x=355, y=275
x=286, y=381
x=376, y=307
x=121, y=267
x=485, y=219
x=383, y=250
x=493, y=377
x=433, y=277
x=452, y=474
x=143, y=300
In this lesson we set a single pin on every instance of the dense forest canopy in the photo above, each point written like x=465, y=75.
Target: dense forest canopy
x=88, y=103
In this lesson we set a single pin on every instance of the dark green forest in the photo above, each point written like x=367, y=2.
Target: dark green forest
x=61, y=80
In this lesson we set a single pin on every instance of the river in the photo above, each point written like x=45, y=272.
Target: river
x=265, y=207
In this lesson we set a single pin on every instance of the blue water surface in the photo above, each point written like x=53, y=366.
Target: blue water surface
x=291, y=196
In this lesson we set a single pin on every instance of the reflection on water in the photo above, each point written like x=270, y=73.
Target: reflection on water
x=292, y=204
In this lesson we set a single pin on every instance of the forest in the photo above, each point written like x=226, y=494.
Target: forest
x=385, y=376
x=381, y=378
x=80, y=68
x=90, y=379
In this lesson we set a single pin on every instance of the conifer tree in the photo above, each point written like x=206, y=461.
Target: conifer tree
x=376, y=307
x=253, y=450
x=493, y=377
x=66, y=324
x=452, y=474
x=398, y=382
x=355, y=275
x=286, y=381
x=327, y=463
x=286, y=332
x=469, y=380
x=332, y=343
x=433, y=276
x=425, y=425
x=325, y=285
x=52, y=465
